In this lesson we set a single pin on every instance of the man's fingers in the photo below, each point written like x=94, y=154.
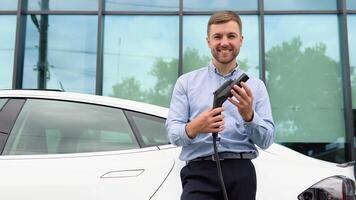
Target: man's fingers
x=247, y=89
x=241, y=92
x=233, y=101
x=239, y=100
x=217, y=118
x=217, y=130
x=217, y=111
x=218, y=124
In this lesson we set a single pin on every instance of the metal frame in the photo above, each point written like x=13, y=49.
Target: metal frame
x=346, y=82
x=341, y=11
x=261, y=25
x=100, y=50
x=19, y=45
x=181, y=53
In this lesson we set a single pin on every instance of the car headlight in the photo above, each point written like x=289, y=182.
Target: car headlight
x=332, y=188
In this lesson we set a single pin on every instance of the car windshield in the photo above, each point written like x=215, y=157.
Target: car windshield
x=51, y=127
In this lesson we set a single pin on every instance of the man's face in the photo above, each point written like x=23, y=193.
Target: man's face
x=224, y=41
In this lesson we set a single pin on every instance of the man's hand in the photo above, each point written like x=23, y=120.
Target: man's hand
x=210, y=121
x=243, y=101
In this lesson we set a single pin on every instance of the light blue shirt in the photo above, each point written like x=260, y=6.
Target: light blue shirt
x=193, y=94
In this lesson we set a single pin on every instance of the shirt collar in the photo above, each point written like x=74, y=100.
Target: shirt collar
x=212, y=69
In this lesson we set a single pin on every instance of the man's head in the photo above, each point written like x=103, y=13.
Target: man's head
x=224, y=37
x=223, y=17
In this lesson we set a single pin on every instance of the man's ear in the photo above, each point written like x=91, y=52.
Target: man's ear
x=208, y=41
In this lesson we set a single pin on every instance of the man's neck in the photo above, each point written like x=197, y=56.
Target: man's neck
x=225, y=69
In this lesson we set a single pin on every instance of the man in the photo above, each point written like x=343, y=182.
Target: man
x=245, y=120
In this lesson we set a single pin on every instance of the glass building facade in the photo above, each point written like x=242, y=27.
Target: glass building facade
x=304, y=51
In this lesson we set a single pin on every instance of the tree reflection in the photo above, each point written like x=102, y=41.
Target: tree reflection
x=305, y=89
x=165, y=74
x=306, y=95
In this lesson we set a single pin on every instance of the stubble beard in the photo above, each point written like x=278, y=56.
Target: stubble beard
x=225, y=61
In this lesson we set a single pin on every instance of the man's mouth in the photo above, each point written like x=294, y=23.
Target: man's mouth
x=224, y=51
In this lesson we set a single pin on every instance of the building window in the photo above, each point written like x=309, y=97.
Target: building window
x=62, y=5
x=7, y=46
x=304, y=82
x=142, y=5
x=61, y=54
x=204, y=5
x=300, y=4
x=351, y=20
x=351, y=4
x=8, y=5
x=141, y=57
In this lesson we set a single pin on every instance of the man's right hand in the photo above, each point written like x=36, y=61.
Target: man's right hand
x=210, y=121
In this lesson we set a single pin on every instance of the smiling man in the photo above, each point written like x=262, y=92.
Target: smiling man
x=243, y=122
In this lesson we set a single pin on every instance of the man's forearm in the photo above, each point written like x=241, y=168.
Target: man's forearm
x=191, y=130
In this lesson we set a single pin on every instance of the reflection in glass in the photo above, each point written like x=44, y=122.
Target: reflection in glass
x=197, y=53
x=64, y=56
x=7, y=46
x=304, y=83
x=351, y=4
x=150, y=129
x=351, y=21
x=58, y=127
x=142, y=5
x=62, y=5
x=202, y=5
x=300, y=4
x=141, y=57
x=2, y=103
x=8, y=4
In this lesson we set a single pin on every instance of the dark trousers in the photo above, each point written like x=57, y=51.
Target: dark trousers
x=200, y=180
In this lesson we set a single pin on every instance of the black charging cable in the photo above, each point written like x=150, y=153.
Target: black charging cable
x=218, y=165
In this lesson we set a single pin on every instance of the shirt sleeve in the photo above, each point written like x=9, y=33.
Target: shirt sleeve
x=178, y=115
x=261, y=130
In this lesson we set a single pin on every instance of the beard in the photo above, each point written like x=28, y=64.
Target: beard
x=225, y=55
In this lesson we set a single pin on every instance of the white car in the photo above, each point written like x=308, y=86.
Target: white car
x=59, y=145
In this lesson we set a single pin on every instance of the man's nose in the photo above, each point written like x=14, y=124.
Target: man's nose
x=224, y=41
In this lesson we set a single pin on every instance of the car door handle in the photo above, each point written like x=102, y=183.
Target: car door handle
x=123, y=173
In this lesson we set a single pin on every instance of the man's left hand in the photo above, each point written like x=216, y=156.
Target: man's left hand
x=243, y=101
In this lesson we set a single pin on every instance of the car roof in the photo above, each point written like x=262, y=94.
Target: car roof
x=87, y=98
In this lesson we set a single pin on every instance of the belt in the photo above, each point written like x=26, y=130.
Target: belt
x=227, y=156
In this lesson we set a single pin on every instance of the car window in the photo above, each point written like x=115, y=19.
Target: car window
x=2, y=103
x=151, y=129
x=3, y=136
x=52, y=127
